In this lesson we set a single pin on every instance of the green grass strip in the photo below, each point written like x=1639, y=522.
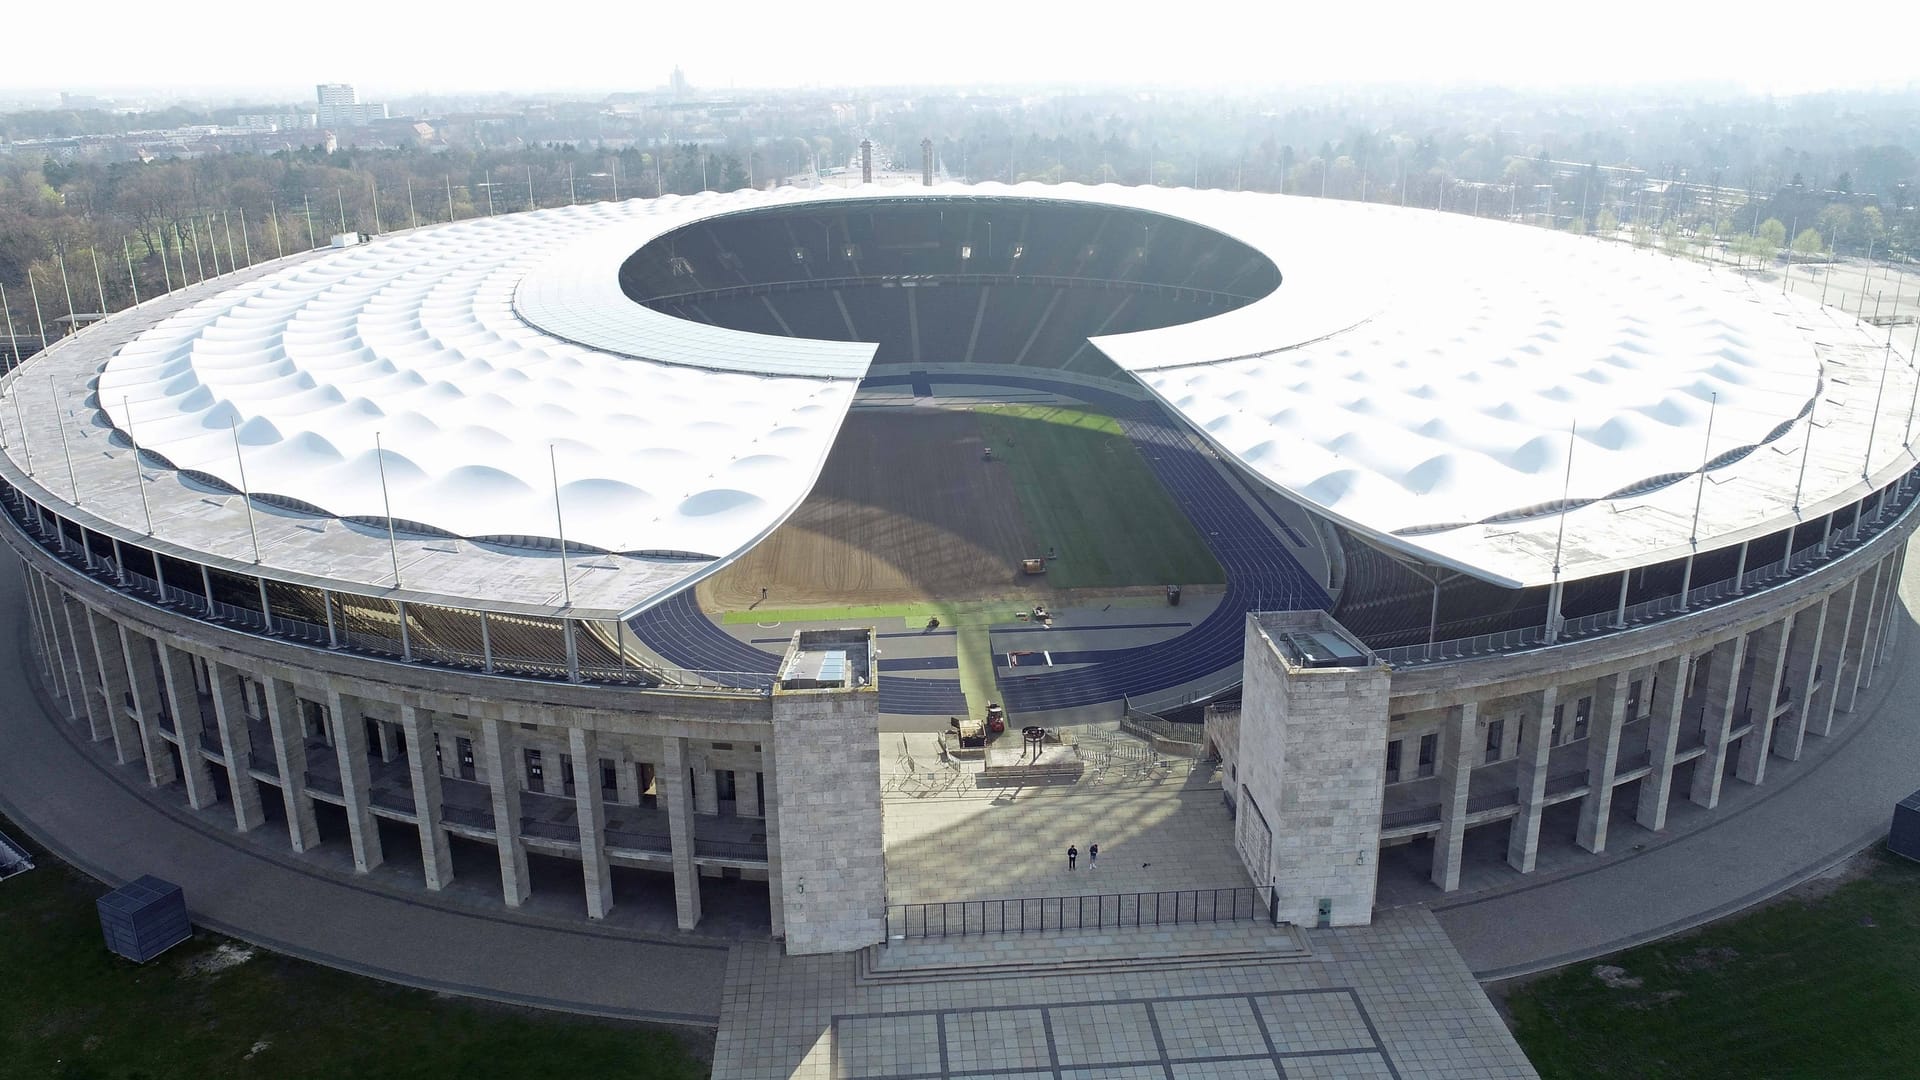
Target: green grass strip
x=1086, y=492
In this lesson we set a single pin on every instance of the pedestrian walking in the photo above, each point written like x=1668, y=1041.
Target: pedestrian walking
x=1093, y=856
x=1073, y=853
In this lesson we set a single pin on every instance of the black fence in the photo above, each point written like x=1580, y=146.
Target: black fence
x=1043, y=914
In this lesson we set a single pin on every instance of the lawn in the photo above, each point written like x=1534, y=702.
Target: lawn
x=1827, y=986
x=70, y=1010
x=1086, y=492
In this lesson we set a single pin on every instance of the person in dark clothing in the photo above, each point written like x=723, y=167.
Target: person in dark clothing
x=1073, y=853
x=1093, y=856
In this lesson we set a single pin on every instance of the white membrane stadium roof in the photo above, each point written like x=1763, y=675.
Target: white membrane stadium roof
x=1415, y=376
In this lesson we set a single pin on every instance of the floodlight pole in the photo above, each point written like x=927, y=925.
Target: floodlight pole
x=449, y=196
x=374, y=185
x=1873, y=428
x=412, y=215
x=139, y=478
x=13, y=342
x=99, y=283
x=531, y=205
x=307, y=201
x=246, y=496
x=72, y=481
x=1699, y=494
x=273, y=216
x=226, y=222
x=21, y=418
x=616, y=178
x=1806, y=452
x=60, y=260
x=566, y=583
x=386, y=504
x=245, y=240
x=1555, y=593
x=38, y=319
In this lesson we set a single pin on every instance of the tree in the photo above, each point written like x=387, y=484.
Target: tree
x=1606, y=224
x=1577, y=225
x=1809, y=243
x=1774, y=233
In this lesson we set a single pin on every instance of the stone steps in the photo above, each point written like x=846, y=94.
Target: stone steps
x=1010, y=956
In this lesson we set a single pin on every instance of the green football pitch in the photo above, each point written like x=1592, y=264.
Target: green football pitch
x=1087, y=494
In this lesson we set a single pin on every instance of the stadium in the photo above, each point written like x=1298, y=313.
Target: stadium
x=615, y=535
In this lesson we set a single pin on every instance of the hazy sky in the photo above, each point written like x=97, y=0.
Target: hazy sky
x=393, y=47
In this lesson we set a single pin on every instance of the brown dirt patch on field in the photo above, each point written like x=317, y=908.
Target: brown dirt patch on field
x=905, y=511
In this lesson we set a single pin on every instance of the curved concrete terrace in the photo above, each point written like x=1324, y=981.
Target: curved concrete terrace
x=102, y=819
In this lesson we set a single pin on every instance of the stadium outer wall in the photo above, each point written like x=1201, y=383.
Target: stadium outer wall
x=1735, y=684
x=477, y=751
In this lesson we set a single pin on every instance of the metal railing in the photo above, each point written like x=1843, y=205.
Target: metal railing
x=1897, y=503
x=1043, y=914
x=251, y=620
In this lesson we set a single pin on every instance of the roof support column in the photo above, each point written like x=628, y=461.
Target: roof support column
x=591, y=812
x=290, y=756
x=1862, y=630
x=143, y=683
x=675, y=792
x=1833, y=656
x=1663, y=738
x=86, y=669
x=1458, y=741
x=1523, y=842
x=1620, y=609
x=1740, y=571
x=1768, y=648
x=356, y=779
x=189, y=723
x=113, y=684
x=1722, y=693
x=423, y=768
x=1603, y=760
x=236, y=745
x=501, y=761
x=1803, y=667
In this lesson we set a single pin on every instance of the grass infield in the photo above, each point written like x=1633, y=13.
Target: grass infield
x=1816, y=987
x=73, y=1011
x=1086, y=492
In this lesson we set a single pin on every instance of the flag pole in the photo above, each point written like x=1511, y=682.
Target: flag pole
x=386, y=504
x=566, y=583
x=246, y=495
x=139, y=477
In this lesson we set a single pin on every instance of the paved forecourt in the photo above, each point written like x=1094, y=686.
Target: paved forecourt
x=1389, y=1000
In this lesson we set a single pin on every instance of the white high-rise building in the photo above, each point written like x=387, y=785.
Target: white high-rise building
x=340, y=106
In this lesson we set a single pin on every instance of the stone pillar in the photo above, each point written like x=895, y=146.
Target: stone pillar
x=436, y=856
x=1663, y=738
x=1603, y=759
x=502, y=766
x=706, y=791
x=1803, y=656
x=290, y=757
x=1458, y=741
x=746, y=793
x=626, y=780
x=86, y=668
x=60, y=652
x=589, y=808
x=1864, y=599
x=236, y=745
x=189, y=723
x=1884, y=591
x=1723, y=682
x=390, y=742
x=1890, y=632
x=113, y=684
x=678, y=795
x=145, y=686
x=1768, y=647
x=42, y=635
x=356, y=779
x=1530, y=770
x=1833, y=656
x=776, y=887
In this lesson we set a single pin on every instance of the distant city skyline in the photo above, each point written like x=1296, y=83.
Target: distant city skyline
x=387, y=51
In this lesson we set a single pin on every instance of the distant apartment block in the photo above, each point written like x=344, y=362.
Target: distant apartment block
x=340, y=106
